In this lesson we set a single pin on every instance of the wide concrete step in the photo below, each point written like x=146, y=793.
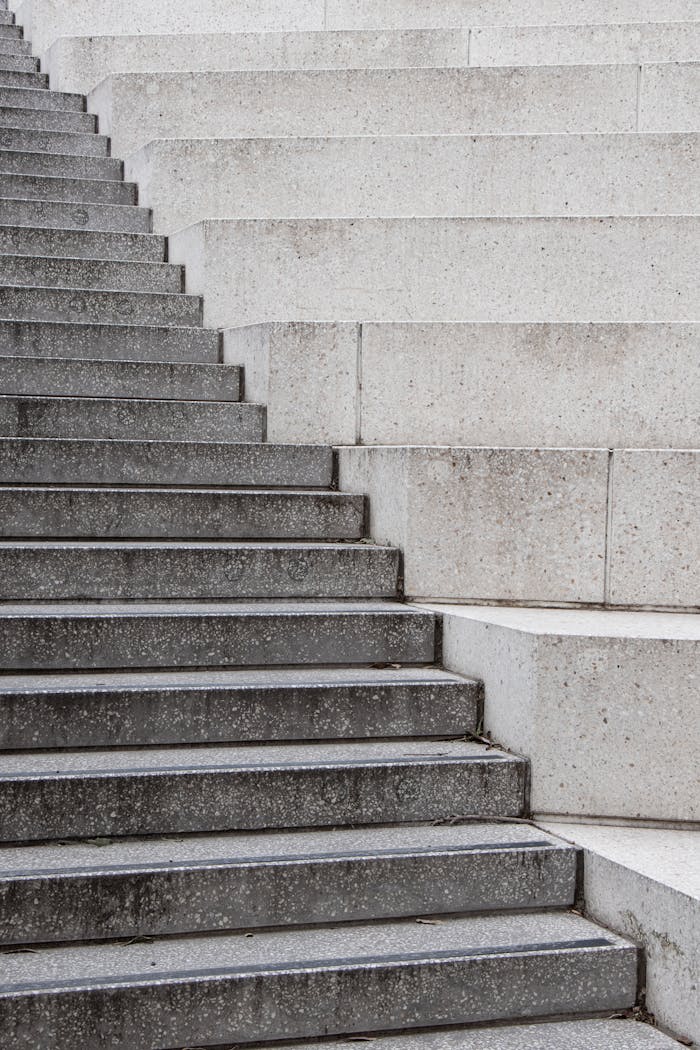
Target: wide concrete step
x=109, y=342
x=207, y=707
x=105, y=462
x=19, y=63
x=184, y=181
x=81, y=794
x=25, y=163
x=34, y=100
x=46, y=119
x=22, y=77
x=29, y=271
x=150, y=888
x=54, y=637
x=60, y=215
x=135, y=108
x=86, y=304
x=7, y=18
x=14, y=46
x=35, y=140
x=76, y=243
x=102, y=571
x=8, y=30
x=73, y=190
x=122, y=379
x=278, y=985
x=131, y=419
x=195, y=513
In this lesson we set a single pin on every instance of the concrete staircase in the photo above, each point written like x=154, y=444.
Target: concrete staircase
x=240, y=801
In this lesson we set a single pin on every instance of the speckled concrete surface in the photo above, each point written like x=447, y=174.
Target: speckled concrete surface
x=59, y=340
x=81, y=243
x=90, y=273
x=123, y=307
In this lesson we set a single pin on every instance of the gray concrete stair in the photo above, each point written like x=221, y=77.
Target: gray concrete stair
x=128, y=571
x=22, y=76
x=33, y=100
x=67, y=511
x=109, y=342
x=240, y=706
x=29, y=271
x=87, y=304
x=59, y=215
x=55, y=637
x=25, y=164
x=36, y=140
x=73, y=190
x=84, y=794
x=19, y=63
x=80, y=377
x=14, y=46
x=75, y=243
x=151, y=888
x=373, y=977
x=46, y=119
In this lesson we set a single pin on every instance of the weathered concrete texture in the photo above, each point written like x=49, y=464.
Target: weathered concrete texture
x=255, y=787
x=600, y=703
x=641, y=42
x=23, y=75
x=646, y=884
x=83, y=62
x=108, y=342
x=620, y=386
x=80, y=305
x=55, y=188
x=185, y=180
x=35, y=100
x=79, y=243
x=179, y=707
x=635, y=269
x=492, y=523
x=134, y=108
x=106, y=218
x=45, y=119
x=231, y=881
x=64, y=165
x=31, y=271
x=472, y=969
x=37, y=141
x=668, y=97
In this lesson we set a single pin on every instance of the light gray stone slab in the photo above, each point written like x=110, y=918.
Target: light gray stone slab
x=668, y=97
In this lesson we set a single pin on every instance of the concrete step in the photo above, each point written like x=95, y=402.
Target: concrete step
x=279, y=985
x=20, y=64
x=131, y=419
x=108, y=218
x=22, y=78
x=123, y=379
x=7, y=18
x=47, y=120
x=76, y=243
x=38, y=141
x=134, y=108
x=35, y=100
x=25, y=163
x=29, y=271
x=208, y=707
x=85, y=304
x=156, y=888
x=199, y=513
x=81, y=794
x=201, y=463
x=194, y=571
x=184, y=181
x=74, y=190
x=109, y=342
x=55, y=637
x=8, y=30
x=14, y=46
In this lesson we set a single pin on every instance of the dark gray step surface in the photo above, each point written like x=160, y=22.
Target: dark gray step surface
x=56, y=637
x=23, y=77
x=128, y=571
x=207, y=990
x=37, y=141
x=76, y=417
x=7, y=18
x=74, y=122
x=79, y=243
x=76, y=461
x=14, y=46
x=109, y=342
x=133, y=379
x=52, y=272
x=74, y=190
x=197, y=513
x=203, y=707
x=87, y=305
x=37, y=99
x=21, y=63
x=147, y=888
x=60, y=215
x=8, y=29
x=27, y=163
x=82, y=794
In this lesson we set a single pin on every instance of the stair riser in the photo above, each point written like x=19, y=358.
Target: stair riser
x=140, y=574
x=47, y=807
x=8, y=30
x=210, y=714
x=84, y=145
x=56, y=216
x=56, y=101
x=231, y=896
x=37, y=376
x=14, y=46
x=361, y=996
x=29, y=461
x=144, y=514
x=74, y=191
x=22, y=77
x=47, y=120
x=28, y=271
x=19, y=63
x=109, y=343
x=81, y=244
x=95, y=307
x=215, y=640
x=26, y=163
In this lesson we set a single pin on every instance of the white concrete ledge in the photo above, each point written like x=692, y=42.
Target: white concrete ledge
x=604, y=704
x=645, y=884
